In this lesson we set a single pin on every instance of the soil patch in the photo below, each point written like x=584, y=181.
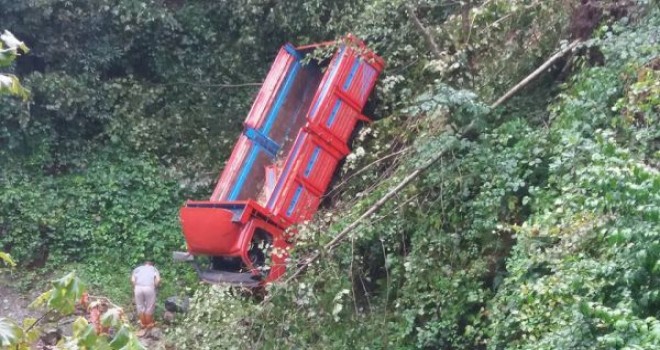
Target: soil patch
x=14, y=304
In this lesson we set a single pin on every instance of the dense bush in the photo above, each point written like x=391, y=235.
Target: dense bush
x=541, y=232
x=115, y=205
x=538, y=228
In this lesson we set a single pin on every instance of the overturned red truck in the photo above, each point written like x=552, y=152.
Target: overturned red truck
x=296, y=133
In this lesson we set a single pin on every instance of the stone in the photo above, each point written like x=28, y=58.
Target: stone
x=177, y=304
x=155, y=333
x=51, y=336
x=168, y=317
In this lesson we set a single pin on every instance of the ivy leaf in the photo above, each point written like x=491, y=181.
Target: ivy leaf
x=121, y=338
x=10, y=332
x=125, y=340
x=102, y=344
x=41, y=300
x=33, y=335
x=133, y=344
x=79, y=326
x=9, y=84
x=6, y=58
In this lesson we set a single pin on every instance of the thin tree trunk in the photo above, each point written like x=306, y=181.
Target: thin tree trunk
x=430, y=42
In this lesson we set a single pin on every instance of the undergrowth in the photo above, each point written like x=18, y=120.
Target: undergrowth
x=540, y=232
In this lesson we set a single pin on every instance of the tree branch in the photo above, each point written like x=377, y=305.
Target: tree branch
x=435, y=50
x=365, y=168
x=344, y=233
x=535, y=73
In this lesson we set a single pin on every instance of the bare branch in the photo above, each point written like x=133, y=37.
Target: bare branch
x=435, y=50
x=342, y=235
x=535, y=74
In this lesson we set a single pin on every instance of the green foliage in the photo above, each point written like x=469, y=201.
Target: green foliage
x=6, y=259
x=537, y=230
x=583, y=271
x=112, y=211
x=10, y=332
x=504, y=41
x=64, y=295
x=123, y=92
x=85, y=337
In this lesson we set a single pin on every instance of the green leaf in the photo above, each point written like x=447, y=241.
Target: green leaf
x=33, y=334
x=9, y=84
x=87, y=336
x=133, y=344
x=41, y=300
x=10, y=332
x=79, y=326
x=7, y=259
x=121, y=338
x=65, y=294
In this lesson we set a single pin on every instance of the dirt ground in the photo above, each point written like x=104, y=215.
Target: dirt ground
x=15, y=305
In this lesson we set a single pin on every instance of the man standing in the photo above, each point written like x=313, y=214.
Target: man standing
x=145, y=279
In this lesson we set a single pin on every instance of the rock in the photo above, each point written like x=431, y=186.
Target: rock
x=51, y=336
x=168, y=317
x=177, y=304
x=141, y=332
x=155, y=333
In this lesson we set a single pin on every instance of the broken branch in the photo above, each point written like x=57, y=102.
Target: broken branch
x=435, y=49
x=535, y=73
x=344, y=233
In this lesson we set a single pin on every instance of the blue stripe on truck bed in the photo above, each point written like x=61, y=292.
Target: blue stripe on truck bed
x=275, y=110
x=312, y=160
x=294, y=200
x=328, y=82
x=351, y=75
x=247, y=166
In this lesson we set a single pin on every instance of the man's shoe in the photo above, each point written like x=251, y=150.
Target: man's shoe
x=143, y=321
x=149, y=321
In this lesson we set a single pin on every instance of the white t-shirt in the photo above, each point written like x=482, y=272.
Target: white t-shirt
x=145, y=276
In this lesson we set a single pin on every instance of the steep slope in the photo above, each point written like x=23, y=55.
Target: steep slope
x=538, y=230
